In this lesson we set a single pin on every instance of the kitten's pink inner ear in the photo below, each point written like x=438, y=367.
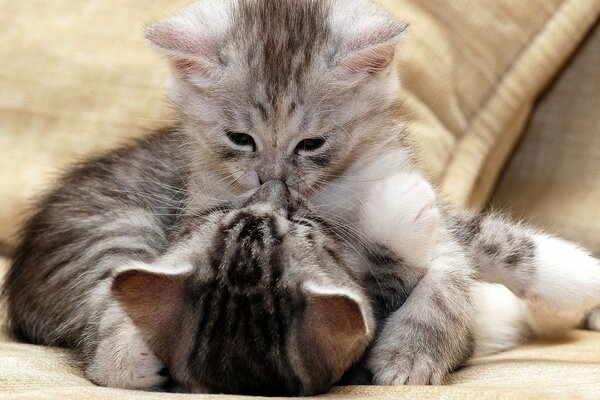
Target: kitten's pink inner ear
x=335, y=334
x=152, y=300
x=367, y=62
x=193, y=42
x=371, y=51
x=337, y=314
x=192, y=49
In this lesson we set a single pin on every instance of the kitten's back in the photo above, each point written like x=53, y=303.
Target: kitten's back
x=105, y=212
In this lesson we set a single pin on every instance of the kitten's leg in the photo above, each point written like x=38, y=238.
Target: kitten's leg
x=559, y=280
x=116, y=354
x=430, y=334
x=504, y=321
x=499, y=322
x=118, y=357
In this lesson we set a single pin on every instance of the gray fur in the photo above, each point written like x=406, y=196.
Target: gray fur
x=501, y=251
x=280, y=71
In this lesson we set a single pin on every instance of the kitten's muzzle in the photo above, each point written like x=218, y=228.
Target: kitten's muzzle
x=275, y=192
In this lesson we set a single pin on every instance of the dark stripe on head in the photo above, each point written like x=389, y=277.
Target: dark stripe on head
x=241, y=342
x=290, y=33
x=264, y=114
x=381, y=256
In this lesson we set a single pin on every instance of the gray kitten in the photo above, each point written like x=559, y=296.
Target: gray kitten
x=286, y=90
x=261, y=295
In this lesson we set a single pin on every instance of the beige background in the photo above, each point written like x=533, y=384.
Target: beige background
x=553, y=180
x=76, y=78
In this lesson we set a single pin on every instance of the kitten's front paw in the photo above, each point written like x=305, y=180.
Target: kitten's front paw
x=414, y=369
x=400, y=212
x=406, y=360
x=147, y=373
x=125, y=361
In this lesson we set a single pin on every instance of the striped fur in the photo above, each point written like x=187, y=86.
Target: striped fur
x=279, y=72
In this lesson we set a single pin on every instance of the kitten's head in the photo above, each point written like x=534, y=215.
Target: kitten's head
x=269, y=306
x=280, y=89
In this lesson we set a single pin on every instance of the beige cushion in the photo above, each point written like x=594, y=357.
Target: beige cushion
x=553, y=180
x=569, y=368
x=76, y=78
x=473, y=70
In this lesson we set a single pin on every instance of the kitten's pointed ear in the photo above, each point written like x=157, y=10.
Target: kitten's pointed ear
x=153, y=300
x=337, y=327
x=366, y=62
x=192, y=39
x=369, y=43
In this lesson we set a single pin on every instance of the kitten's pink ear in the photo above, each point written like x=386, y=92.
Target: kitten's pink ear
x=152, y=300
x=336, y=330
x=192, y=39
x=370, y=39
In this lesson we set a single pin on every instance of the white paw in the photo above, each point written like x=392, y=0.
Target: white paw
x=396, y=368
x=125, y=361
x=400, y=212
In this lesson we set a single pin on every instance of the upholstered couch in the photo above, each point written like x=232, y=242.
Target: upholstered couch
x=76, y=78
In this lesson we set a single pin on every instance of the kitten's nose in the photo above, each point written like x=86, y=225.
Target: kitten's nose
x=274, y=191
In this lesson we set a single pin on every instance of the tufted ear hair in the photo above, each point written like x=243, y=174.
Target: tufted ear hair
x=193, y=38
x=369, y=37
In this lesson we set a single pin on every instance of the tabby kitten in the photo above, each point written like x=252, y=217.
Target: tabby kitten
x=260, y=294
x=273, y=89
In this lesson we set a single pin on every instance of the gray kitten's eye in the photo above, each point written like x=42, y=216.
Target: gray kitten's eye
x=241, y=139
x=308, y=145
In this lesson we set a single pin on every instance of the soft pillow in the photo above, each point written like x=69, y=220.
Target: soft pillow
x=553, y=179
x=77, y=78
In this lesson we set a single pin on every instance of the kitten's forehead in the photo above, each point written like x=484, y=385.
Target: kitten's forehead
x=280, y=40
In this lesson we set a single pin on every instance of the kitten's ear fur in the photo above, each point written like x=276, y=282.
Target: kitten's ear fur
x=370, y=36
x=336, y=329
x=192, y=39
x=153, y=300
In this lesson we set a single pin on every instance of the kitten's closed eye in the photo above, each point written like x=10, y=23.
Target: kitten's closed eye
x=242, y=140
x=310, y=145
